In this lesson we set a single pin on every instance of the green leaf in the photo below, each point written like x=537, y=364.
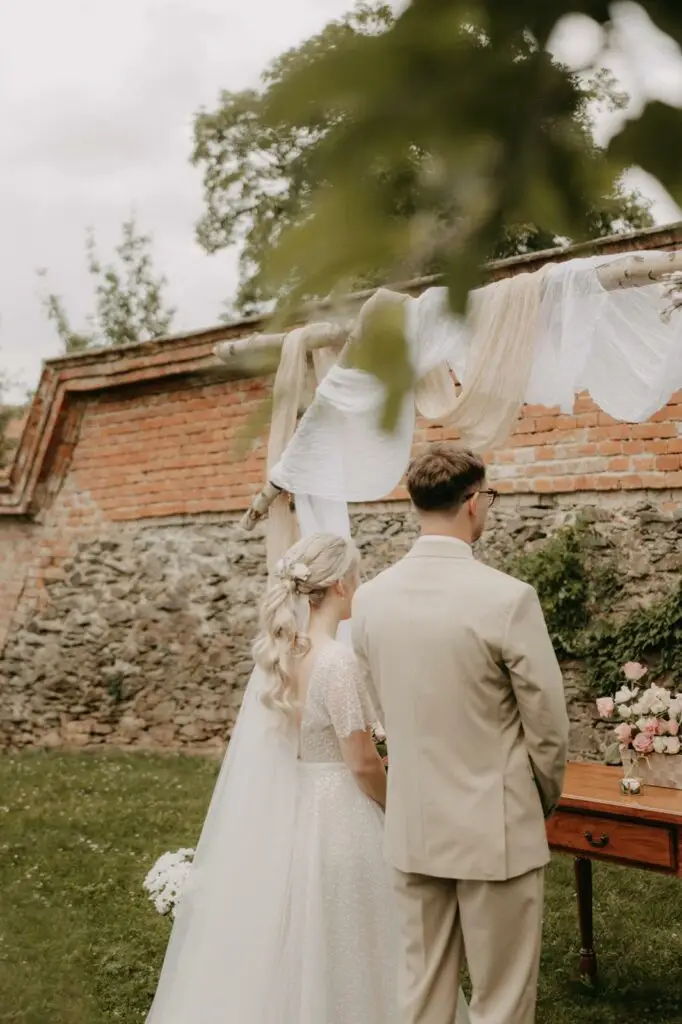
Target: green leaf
x=612, y=754
x=653, y=142
x=383, y=351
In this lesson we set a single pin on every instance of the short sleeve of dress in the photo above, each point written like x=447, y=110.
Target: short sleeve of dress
x=345, y=697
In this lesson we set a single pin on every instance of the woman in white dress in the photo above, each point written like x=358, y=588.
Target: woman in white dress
x=288, y=917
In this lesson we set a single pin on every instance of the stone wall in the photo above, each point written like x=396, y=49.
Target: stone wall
x=143, y=636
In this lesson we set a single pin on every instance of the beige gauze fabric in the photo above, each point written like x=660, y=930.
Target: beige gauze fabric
x=503, y=321
x=503, y=318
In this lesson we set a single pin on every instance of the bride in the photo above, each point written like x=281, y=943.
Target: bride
x=288, y=916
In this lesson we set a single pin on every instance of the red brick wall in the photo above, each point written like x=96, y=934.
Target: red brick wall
x=553, y=453
x=183, y=450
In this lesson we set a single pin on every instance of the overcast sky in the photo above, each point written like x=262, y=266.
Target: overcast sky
x=96, y=105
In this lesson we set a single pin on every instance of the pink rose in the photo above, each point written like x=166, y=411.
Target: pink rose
x=633, y=671
x=605, y=706
x=643, y=743
x=672, y=727
x=624, y=734
x=651, y=727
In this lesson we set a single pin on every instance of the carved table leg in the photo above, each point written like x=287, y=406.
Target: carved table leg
x=588, y=957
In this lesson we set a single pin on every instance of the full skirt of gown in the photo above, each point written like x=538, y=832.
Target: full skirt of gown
x=340, y=950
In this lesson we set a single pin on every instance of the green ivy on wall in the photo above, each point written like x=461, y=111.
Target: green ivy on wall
x=652, y=634
x=577, y=580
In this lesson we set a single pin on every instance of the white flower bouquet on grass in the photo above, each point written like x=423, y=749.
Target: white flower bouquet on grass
x=166, y=880
x=649, y=723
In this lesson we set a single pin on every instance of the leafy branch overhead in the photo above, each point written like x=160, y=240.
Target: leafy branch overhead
x=388, y=146
x=129, y=297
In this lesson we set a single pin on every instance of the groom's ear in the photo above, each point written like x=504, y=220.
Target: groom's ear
x=472, y=503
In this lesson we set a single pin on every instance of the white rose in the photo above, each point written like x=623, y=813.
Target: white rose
x=658, y=706
x=661, y=745
x=624, y=711
x=641, y=724
x=672, y=745
x=646, y=700
x=300, y=571
x=675, y=708
x=624, y=695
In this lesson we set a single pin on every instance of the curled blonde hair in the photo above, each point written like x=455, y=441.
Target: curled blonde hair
x=300, y=583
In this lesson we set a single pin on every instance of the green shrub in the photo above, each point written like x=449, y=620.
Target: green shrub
x=577, y=579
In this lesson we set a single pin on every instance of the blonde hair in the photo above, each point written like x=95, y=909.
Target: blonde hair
x=301, y=581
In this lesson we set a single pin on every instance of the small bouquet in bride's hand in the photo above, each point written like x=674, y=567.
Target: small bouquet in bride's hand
x=379, y=737
x=167, y=878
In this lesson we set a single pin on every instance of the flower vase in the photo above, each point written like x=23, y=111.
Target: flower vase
x=631, y=783
x=662, y=770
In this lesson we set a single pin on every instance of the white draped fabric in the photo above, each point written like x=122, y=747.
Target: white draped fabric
x=613, y=344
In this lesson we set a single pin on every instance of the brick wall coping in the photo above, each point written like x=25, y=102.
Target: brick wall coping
x=191, y=355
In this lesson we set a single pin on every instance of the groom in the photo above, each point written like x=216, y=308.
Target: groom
x=460, y=661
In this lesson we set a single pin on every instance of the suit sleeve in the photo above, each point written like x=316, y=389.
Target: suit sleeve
x=538, y=687
x=359, y=641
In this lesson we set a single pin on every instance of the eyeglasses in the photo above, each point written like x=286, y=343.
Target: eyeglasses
x=491, y=494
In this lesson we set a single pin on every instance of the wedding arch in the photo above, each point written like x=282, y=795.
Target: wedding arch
x=609, y=325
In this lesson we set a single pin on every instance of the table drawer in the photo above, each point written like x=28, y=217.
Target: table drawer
x=612, y=839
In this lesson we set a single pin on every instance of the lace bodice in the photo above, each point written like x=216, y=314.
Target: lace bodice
x=337, y=704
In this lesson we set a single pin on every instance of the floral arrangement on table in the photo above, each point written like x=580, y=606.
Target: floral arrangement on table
x=165, y=881
x=649, y=722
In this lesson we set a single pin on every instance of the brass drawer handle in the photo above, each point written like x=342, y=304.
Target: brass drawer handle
x=600, y=843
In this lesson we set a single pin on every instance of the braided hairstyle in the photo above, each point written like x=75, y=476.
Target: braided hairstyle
x=301, y=582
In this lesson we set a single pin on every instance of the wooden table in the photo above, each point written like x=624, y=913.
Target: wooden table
x=595, y=821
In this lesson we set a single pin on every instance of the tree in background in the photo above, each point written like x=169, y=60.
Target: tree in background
x=8, y=412
x=266, y=156
x=129, y=297
x=5, y=417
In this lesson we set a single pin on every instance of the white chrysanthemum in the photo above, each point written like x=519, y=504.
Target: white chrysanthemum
x=167, y=878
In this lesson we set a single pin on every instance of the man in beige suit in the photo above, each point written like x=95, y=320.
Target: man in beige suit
x=459, y=658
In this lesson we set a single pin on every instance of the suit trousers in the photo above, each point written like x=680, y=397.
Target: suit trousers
x=496, y=926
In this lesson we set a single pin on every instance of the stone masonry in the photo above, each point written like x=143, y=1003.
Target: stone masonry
x=144, y=639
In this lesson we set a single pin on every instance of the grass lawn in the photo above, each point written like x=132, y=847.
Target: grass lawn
x=80, y=943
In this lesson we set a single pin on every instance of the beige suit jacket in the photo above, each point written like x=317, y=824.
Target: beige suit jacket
x=460, y=663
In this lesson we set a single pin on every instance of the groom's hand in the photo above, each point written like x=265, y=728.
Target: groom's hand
x=538, y=687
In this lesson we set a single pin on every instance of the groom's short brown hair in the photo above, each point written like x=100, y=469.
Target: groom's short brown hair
x=442, y=476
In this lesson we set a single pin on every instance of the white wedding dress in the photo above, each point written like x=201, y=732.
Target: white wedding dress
x=288, y=917
x=340, y=951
